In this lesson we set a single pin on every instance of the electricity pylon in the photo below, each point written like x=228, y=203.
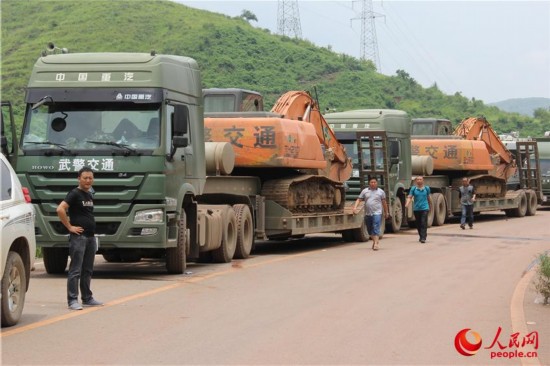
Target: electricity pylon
x=368, y=49
x=288, y=18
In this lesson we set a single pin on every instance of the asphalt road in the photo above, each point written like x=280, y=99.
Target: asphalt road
x=311, y=301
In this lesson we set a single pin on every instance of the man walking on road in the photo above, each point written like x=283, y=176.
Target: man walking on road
x=82, y=243
x=375, y=207
x=467, y=198
x=420, y=194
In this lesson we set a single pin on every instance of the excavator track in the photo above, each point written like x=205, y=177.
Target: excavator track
x=486, y=186
x=306, y=194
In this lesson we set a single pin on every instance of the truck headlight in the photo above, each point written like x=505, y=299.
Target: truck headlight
x=149, y=216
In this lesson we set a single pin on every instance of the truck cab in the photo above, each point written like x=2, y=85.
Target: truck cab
x=232, y=100
x=543, y=144
x=377, y=140
x=431, y=127
x=136, y=120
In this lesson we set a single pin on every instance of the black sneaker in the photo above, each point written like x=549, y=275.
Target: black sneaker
x=462, y=226
x=471, y=226
x=423, y=241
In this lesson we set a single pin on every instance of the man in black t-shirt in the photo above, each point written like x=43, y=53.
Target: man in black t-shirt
x=82, y=242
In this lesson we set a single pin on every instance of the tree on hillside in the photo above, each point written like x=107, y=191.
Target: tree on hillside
x=248, y=16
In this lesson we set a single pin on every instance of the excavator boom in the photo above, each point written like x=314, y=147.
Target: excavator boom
x=480, y=129
x=299, y=105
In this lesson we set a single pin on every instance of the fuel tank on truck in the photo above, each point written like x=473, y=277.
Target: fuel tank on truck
x=454, y=154
x=272, y=142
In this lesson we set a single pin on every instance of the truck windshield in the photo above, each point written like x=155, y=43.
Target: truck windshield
x=544, y=167
x=81, y=127
x=351, y=149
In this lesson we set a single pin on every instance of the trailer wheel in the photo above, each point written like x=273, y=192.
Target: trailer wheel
x=440, y=209
x=14, y=288
x=396, y=212
x=176, y=260
x=245, y=231
x=55, y=259
x=521, y=210
x=532, y=203
x=226, y=251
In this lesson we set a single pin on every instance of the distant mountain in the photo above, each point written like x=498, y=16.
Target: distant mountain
x=524, y=106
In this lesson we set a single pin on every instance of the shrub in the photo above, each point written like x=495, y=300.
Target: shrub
x=543, y=280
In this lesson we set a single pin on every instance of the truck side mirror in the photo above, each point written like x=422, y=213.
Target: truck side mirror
x=394, y=149
x=180, y=141
x=180, y=119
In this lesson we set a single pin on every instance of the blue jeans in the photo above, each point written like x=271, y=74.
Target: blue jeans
x=373, y=224
x=467, y=213
x=82, y=252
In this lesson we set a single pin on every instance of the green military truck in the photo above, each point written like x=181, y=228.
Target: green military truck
x=379, y=142
x=543, y=144
x=137, y=120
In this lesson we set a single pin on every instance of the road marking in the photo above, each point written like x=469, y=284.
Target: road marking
x=518, y=315
x=140, y=295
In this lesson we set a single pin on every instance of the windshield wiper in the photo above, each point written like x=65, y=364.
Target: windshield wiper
x=61, y=146
x=112, y=143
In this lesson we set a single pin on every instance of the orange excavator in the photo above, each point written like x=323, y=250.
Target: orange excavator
x=292, y=149
x=475, y=152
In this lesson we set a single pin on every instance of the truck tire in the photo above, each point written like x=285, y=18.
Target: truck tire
x=226, y=251
x=396, y=213
x=532, y=203
x=521, y=210
x=112, y=257
x=176, y=260
x=347, y=236
x=55, y=259
x=245, y=231
x=431, y=212
x=14, y=288
x=440, y=209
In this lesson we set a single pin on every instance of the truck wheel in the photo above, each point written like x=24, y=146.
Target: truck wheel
x=176, y=260
x=55, y=259
x=112, y=257
x=225, y=252
x=14, y=288
x=521, y=210
x=431, y=213
x=396, y=212
x=347, y=236
x=532, y=203
x=245, y=231
x=440, y=208
x=361, y=234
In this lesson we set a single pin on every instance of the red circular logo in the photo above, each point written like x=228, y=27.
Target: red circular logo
x=464, y=346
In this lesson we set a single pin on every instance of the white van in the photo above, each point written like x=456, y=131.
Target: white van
x=18, y=243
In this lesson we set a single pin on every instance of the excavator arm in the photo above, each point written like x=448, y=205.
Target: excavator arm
x=480, y=129
x=299, y=105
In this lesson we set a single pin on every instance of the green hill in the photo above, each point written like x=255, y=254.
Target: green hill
x=230, y=52
x=525, y=106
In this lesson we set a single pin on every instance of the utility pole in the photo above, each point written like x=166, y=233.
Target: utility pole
x=368, y=49
x=288, y=18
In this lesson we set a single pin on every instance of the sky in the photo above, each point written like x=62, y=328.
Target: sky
x=487, y=50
